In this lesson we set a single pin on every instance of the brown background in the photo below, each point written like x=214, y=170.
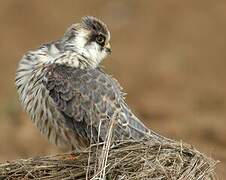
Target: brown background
x=168, y=55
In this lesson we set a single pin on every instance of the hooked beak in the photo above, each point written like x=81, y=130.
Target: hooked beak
x=108, y=48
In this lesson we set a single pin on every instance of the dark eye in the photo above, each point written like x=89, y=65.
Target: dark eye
x=100, y=39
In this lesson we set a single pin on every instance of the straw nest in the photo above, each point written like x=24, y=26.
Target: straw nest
x=146, y=159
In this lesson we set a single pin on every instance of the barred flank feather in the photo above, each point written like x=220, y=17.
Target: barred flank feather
x=36, y=101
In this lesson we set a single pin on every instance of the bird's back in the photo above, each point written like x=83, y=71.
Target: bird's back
x=89, y=100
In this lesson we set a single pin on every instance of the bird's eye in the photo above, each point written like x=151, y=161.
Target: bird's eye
x=100, y=39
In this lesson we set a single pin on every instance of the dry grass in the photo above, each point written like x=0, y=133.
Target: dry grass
x=126, y=160
x=153, y=158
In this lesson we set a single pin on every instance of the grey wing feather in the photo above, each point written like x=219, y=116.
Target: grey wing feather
x=88, y=100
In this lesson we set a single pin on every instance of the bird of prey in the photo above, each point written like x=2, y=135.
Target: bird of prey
x=69, y=98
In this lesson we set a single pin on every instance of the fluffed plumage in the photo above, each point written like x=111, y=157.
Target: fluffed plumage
x=69, y=98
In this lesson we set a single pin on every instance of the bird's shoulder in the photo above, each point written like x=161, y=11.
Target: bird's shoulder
x=69, y=86
x=79, y=79
x=84, y=97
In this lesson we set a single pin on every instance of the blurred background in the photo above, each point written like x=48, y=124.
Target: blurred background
x=169, y=56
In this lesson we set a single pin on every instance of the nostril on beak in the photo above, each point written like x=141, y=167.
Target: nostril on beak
x=108, y=50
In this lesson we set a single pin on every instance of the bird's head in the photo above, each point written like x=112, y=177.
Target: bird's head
x=89, y=38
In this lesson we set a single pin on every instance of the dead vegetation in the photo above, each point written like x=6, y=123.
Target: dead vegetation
x=155, y=157
x=130, y=160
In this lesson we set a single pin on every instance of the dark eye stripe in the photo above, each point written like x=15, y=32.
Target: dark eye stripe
x=100, y=39
x=93, y=37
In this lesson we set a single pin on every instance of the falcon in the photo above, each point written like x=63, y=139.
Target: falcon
x=69, y=97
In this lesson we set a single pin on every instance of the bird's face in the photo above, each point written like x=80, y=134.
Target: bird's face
x=90, y=39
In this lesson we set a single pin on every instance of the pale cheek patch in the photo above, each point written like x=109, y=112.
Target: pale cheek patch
x=81, y=39
x=95, y=53
x=91, y=51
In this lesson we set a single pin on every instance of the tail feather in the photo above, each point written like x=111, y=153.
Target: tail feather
x=138, y=130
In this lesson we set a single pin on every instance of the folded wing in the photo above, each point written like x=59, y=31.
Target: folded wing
x=89, y=99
